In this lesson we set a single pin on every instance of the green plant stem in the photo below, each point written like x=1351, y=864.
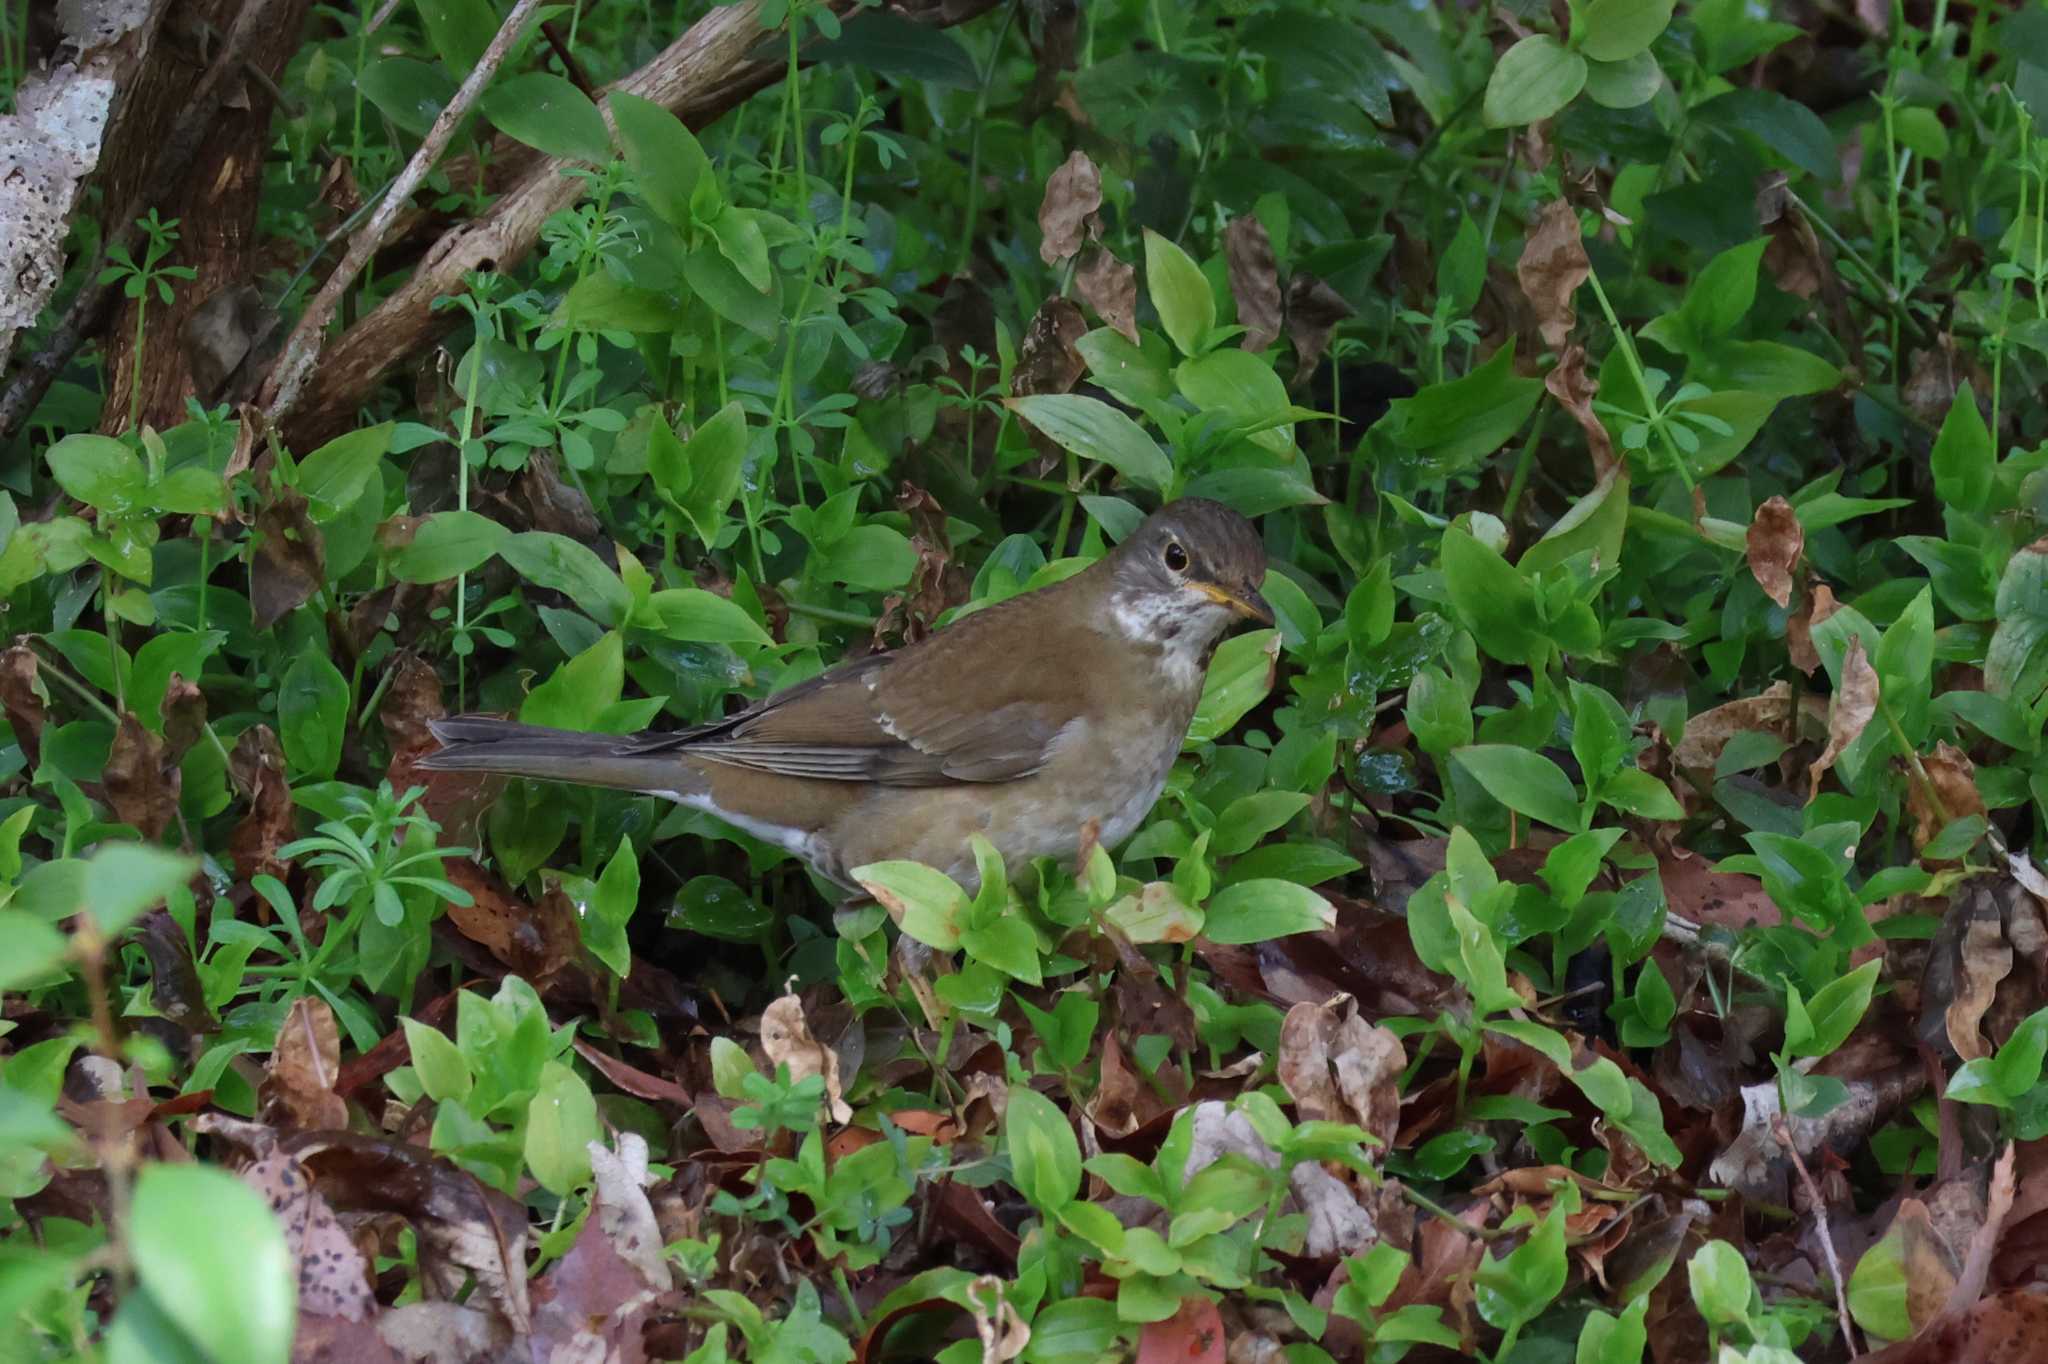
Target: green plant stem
x=135, y=361
x=1525, y=461
x=988, y=76
x=796, y=120
x=49, y=667
x=832, y=614
x=1892, y=174
x=1635, y=368
x=476, y=367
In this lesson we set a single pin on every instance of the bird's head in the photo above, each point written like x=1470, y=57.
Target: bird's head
x=1188, y=573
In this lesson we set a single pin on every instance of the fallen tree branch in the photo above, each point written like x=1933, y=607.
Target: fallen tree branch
x=712, y=67
x=302, y=348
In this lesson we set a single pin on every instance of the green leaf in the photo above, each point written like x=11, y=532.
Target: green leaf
x=409, y=92
x=1094, y=430
x=2017, y=1067
x=1244, y=386
x=1636, y=792
x=700, y=617
x=442, y=1069
x=1009, y=945
x=1721, y=1286
x=666, y=160
x=597, y=302
x=561, y=1122
x=1615, y=30
x=1964, y=461
x=122, y=880
x=927, y=904
x=717, y=454
x=214, y=1260
x=460, y=30
x=582, y=689
x=870, y=557
x=99, y=471
x=1071, y=1330
x=34, y=949
x=1614, y=1340
x=1877, y=1289
x=1261, y=909
x=312, y=713
x=1524, y=781
x=334, y=476
x=612, y=904
x=1785, y=126
x=1180, y=293
x=1515, y=1290
x=1045, y=1158
x=2016, y=660
x=446, y=545
x=1626, y=84
x=570, y=568
x=1240, y=676
x=1456, y=424
x=1836, y=1008
x=741, y=241
x=1533, y=80
x=549, y=114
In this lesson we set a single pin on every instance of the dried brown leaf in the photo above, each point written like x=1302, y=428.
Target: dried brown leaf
x=1003, y=1333
x=786, y=1038
x=1254, y=280
x=1774, y=544
x=1110, y=287
x=1340, y=1068
x=174, y=984
x=1113, y=1107
x=142, y=779
x=554, y=505
x=25, y=701
x=1193, y=1335
x=1984, y=1238
x=257, y=766
x=1073, y=194
x=1707, y=733
x=1954, y=794
x=1984, y=957
x=1046, y=359
x=291, y=559
x=2005, y=1329
x=1313, y=311
x=1575, y=390
x=298, y=1087
x=1854, y=704
x=1820, y=603
x=1552, y=267
x=184, y=717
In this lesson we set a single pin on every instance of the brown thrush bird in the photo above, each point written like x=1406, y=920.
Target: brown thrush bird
x=1022, y=722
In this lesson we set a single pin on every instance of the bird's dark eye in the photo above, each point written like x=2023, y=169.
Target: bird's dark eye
x=1176, y=557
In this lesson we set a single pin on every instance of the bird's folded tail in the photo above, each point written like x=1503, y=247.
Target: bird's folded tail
x=479, y=743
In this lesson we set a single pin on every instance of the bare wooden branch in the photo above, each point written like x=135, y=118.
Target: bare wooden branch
x=281, y=389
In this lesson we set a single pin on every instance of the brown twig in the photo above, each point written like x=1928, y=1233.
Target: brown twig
x=569, y=62
x=82, y=318
x=302, y=348
x=1827, y=1240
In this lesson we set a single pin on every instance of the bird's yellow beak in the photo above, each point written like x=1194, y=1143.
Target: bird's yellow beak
x=1246, y=603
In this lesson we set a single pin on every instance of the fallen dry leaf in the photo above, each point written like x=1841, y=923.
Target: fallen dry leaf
x=142, y=779
x=25, y=700
x=1003, y=1333
x=1254, y=280
x=1954, y=794
x=1775, y=542
x=1313, y=311
x=1340, y=1068
x=787, y=1040
x=1193, y=1335
x=1984, y=958
x=298, y=1087
x=1854, y=704
x=1552, y=267
x=1110, y=287
x=1820, y=603
x=1707, y=733
x=2005, y=1329
x=1046, y=359
x=291, y=558
x=1073, y=194
x=1575, y=389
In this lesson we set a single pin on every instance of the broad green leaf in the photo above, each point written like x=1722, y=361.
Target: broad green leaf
x=1257, y=910
x=1964, y=461
x=612, y=904
x=549, y=114
x=409, y=92
x=2016, y=661
x=334, y=476
x=214, y=1259
x=447, y=544
x=1877, y=1289
x=1836, y=1008
x=1236, y=382
x=460, y=30
x=599, y=302
x=1533, y=80
x=582, y=689
x=666, y=160
x=1045, y=1158
x=312, y=713
x=1094, y=430
x=1456, y=424
x=561, y=1122
x=570, y=568
x=1626, y=84
x=1240, y=676
x=99, y=471
x=1180, y=293
x=695, y=615
x=34, y=949
x=1525, y=781
x=927, y=904
x=717, y=454
x=442, y=1069
x=123, y=880
x=1491, y=599
x=1615, y=30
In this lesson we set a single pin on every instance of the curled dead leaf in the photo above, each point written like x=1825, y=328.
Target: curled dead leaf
x=1110, y=287
x=1855, y=703
x=786, y=1038
x=1951, y=792
x=298, y=1086
x=25, y=700
x=1340, y=1068
x=1073, y=194
x=1254, y=280
x=1003, y=1333
x=1575, y=390
x=1552, y=267
x=142, y=779
x=1314, y=309
x=1774, y=544
x=1046, y=359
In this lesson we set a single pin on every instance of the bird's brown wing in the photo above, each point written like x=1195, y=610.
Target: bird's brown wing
x=967, y=705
